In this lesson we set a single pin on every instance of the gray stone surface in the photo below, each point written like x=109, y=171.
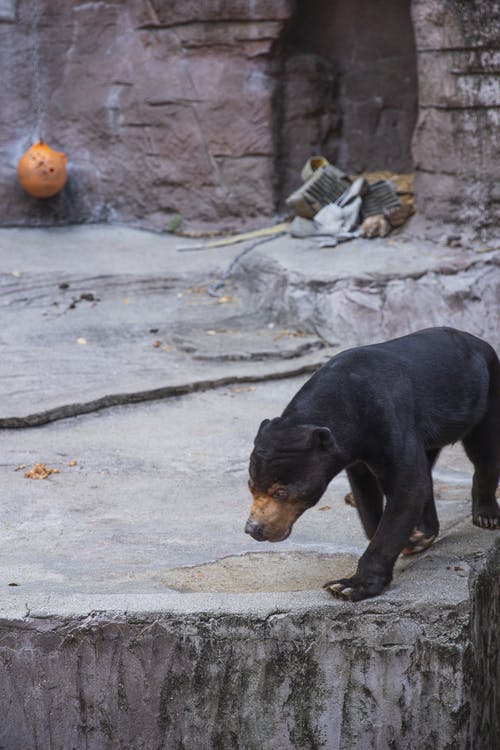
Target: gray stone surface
x=134, y=611
x=133, y=507
x=287, y=306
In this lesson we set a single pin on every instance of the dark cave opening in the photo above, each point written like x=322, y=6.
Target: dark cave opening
x=350, y=89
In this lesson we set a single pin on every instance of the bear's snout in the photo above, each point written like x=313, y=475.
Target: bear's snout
x=255, y=530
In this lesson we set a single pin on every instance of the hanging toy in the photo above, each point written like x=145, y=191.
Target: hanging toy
x=42, y=171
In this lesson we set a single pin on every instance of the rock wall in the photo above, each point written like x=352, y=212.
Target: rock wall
x=280, y=683
x=208, y=110
x=162, y=108
x=456, y=144
x=485, y=662
x=349, y=310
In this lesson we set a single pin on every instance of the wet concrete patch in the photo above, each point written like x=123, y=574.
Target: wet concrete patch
x=261, y=571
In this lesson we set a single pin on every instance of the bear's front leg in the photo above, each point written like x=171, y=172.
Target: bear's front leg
x=405, y=491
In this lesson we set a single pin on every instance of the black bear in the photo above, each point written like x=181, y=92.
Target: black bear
x=382, y=412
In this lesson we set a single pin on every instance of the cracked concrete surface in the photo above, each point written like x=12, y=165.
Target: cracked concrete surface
x=134, y=612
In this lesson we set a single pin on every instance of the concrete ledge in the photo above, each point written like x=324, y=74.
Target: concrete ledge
x=381, y=674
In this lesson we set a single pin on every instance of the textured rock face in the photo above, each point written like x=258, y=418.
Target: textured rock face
x=456, y=145
x=210, y=109
x=368, y=309
x=485, y=663
x=161, y=108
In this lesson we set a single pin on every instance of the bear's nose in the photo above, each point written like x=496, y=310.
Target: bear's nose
x=255, y=529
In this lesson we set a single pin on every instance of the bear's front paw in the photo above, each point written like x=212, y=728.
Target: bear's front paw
x=487, y=518
x=357, y=587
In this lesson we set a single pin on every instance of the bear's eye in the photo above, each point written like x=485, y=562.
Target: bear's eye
x=280, y=493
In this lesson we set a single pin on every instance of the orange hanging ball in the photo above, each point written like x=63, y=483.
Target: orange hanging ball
x=41, y=171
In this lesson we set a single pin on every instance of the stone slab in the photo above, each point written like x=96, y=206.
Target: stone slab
x=126, y=316
x=102, y=316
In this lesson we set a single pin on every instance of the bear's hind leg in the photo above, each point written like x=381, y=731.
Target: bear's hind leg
x=482, y=446
x=368, y=497
x=427, y=529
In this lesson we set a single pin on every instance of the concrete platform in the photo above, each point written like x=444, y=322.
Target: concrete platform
x=134, y=611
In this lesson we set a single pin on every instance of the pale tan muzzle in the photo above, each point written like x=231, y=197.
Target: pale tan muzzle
x=272, y=520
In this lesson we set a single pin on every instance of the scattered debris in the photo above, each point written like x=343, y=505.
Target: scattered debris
x=84, y=297
x=242, y=389
x=379, y=197
x=332, y=204
x=403, y=184
x=164, y=347
x=324, y=185
x=399, y=215
x=325, y=507
x=234, y=239
x=259, y=235
x=337, y=220
x=288, y=332
x=375, y=226
x=40, y=471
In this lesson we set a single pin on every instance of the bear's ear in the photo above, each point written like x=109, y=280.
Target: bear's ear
x=322, y=438
x=262, y=425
